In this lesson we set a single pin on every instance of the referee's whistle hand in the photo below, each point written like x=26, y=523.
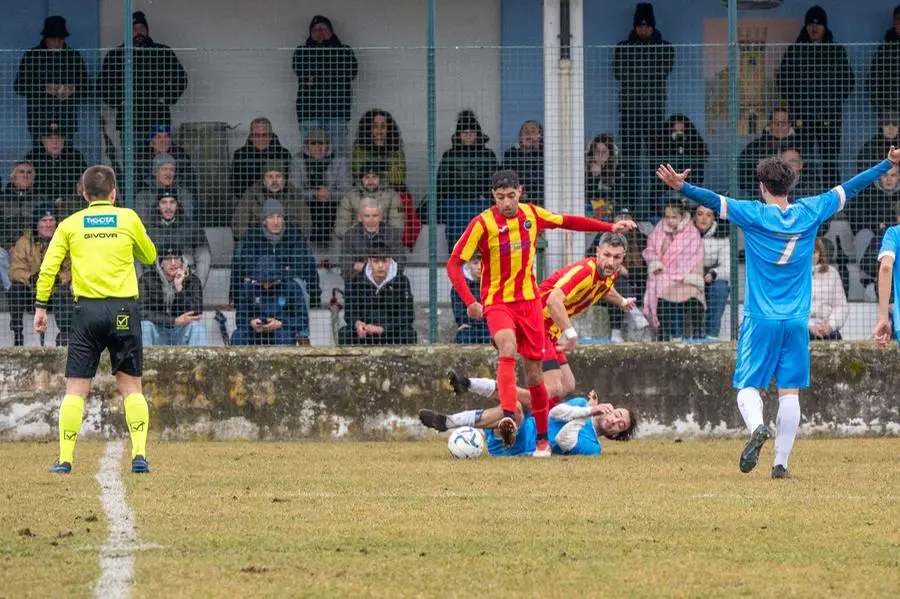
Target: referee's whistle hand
x=40, y=320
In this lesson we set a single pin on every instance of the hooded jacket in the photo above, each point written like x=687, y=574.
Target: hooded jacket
x=41, y=67
x=716, y=252
x=389, y=305
x=465, y=171
x=247, y=212
x=815, y=78
x=642, y=67
x=325, y=73
x=248, y=163
x=679, y=253
x=152, y=297
x=392, y=212
x=291, y=253
x=884, y=74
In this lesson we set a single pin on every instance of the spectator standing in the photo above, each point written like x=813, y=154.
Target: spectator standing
x=602, y=178
x=168, y=227
x=325, y=70
x=716, y=268
x=468, y=330
x=322, y=178
x=273, y=186
x=370, y=185
x=262, y=147
x=778, y=136
x=526, y=158
x=642, y=64
x=160, y=142
x=165, y=181
x=271, y=308
x=879, y=144
x=57, y=165
x=159, y=81
x=675, y=286
x=52, y=78
x=27, y=256
x=464, y=176
x=378, y=138
x=828, y=310
x=171, y=303
x=358, y=239
x=815, y=79
x=378, y=308
x=884, y=72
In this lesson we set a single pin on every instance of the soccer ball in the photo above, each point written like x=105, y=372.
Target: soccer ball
x=466, y=443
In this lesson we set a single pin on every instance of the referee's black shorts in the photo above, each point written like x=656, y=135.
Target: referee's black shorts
x=97, y=324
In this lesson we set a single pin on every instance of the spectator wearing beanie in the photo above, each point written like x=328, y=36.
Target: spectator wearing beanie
x=159, y=141
x=322, y=179
x=272, y=185
x=370, y=184
x=165, y=180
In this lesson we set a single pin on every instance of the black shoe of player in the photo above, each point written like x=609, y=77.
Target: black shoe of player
x=459, y=383
x=780, y=471
x=433, y=419
x=750, y=455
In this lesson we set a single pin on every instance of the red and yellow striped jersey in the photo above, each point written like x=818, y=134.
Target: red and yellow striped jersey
x=507, y=251
x=583, y=284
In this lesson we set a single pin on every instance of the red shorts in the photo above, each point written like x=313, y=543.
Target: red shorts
x=553, y=356
x=526, y=319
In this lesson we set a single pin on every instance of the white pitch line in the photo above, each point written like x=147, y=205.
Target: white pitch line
x=117, y=555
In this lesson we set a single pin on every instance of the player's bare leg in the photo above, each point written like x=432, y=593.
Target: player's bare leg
x=786, y=425
x=505, y=340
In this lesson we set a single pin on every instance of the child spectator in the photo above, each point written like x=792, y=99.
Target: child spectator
x=370, y=185
x=716, y=267
x=322, y=180
x=368, y=230
x=675, y=286
x=469, y=331
x=828, y=310
x=271, y=308
x=168, y=227
x=602, y=177
x=171, y=302
x=273, y=185
x=378, y=138
x=262, y=147
x=527, y=159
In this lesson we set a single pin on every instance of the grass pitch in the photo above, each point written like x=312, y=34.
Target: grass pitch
x=646, y=519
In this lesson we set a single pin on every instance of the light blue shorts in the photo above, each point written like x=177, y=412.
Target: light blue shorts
x=768, y=348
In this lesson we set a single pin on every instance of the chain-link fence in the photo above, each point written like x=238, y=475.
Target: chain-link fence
x=308, y=220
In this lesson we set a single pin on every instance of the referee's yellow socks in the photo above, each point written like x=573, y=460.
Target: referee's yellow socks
x=137, y=415
x=71, y=412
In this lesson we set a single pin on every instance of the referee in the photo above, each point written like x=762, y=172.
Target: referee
x=103, y=241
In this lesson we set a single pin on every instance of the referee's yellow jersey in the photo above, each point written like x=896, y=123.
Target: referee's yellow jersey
x=103, y=241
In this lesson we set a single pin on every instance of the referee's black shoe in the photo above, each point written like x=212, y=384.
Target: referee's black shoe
x=750, y=455
x=459, y=382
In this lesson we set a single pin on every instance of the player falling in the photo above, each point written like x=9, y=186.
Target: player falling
x=506, y=235
x=779, y=239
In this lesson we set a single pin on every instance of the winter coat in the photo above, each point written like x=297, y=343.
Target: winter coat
x=679, y=253
x=682, y=150
x=765, y=146
x=357, y=242
x=529, y=165
x=717, y=252
x=884, y=74
x=395, y=162
x=324, y=79
x=248, y=163
x=41, y=67
x=152, y=300
x=248, y=212
x=873, y=207
x=284, y=301
x=17, y=208
x=393, y=213
x=829, y=302
x=642, y=67
x=337, y=177
x=475, y=331
x=293, y=255
x=874, y=150
x=389, y=305
x=26, y=258
x=159, y=82
x=815, y=78
x=146, y=201
x=56, y=176
x=465, y=172
x=184, y=234
x=186, y=174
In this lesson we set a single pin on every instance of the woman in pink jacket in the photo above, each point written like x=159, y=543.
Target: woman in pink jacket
x=674, y=257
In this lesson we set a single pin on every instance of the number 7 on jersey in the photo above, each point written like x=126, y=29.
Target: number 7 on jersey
x=788, y=251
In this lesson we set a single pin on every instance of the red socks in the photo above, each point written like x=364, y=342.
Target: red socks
x=540, y=407
x=506, y=383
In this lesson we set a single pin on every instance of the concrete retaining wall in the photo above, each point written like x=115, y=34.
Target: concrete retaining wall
x=300, y=393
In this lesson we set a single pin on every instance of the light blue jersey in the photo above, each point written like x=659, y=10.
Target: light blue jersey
x=779, y=246
x=890, y=246
x=587, y=444
x=526, y=440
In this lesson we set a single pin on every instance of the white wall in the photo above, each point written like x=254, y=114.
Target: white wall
x=238, y=57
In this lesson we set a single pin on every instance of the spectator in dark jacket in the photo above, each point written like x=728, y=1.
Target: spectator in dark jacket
x=603, y=179
x=165, y=180
x=870, y=215
x=171, y=302
x=877, y=147
x=884, y=72
x=170, y=228
x=284, y=243
x=815, y=79
x=325, y=70
x=159, y=81
x=358, y=239
x=527, y=159
x=641, y=64
x=262, y=147
x=272, y=186
x=160, y=142
x=378, y=307
x=57, y=165
x=52, y=78
x=464, y=176
x=680, y=144
x=271, y=308
x=468, y=330
x=778, y=136
x=322, y=178
x=378, y=139
x=18, y=203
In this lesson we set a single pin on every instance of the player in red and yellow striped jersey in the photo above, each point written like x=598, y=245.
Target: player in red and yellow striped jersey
x=510, y=297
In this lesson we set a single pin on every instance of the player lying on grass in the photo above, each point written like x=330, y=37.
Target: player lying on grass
x=774, y=340
x=575, y=426
x=566, y=293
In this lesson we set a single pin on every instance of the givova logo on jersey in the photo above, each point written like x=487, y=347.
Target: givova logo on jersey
x=101, y=221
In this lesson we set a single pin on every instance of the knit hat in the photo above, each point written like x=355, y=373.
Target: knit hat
x=55, y=26
x=168, y=252
x=42, y=212
x=643, y=15
x=166, y=193
x=319, y=19
x=274, y=165
x=157, y=129
x=52, y=128
x=504, y=178
x=816, y=16
x=161, y=159
x=272, y=207
x=138, y=17
x=467, y=121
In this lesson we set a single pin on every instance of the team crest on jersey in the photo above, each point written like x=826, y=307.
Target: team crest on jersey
x=527, y=225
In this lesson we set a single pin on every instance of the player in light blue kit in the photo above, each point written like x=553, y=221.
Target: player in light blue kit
x=888, y=279
x=779, y=238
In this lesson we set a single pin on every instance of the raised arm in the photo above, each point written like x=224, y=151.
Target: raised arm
x=570, y=222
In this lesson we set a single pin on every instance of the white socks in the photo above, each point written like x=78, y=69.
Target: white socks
x=786, y=427
x=483, y=387
x=467, y=418
x=750, y=404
